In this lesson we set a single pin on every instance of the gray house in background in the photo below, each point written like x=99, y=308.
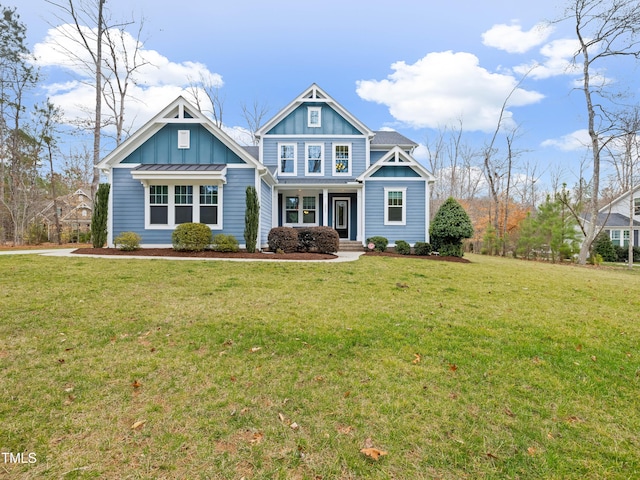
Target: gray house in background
x=617, y=215
x=316, y=164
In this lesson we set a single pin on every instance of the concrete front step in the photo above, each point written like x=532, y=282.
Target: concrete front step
x=351, y=246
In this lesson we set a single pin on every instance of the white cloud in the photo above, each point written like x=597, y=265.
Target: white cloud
x=512, y=39
x=558, y=60
x=154, y=84
x=446, y=88
x=578, y=140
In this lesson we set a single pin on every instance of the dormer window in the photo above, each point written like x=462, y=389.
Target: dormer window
x=636, y=206
x=314, y=117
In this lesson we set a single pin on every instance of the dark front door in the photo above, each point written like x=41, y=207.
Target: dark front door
x=341, y=216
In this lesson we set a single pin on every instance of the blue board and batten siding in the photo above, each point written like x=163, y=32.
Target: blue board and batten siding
x=416, y=197
x=162, y=148
x=128, y=206
x=296, y=123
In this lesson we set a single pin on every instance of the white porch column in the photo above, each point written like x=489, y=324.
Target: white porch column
x=325, y=207
x=360, y=213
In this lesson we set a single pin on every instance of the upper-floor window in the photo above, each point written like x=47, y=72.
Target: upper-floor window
x=315, y=158
x=636, y=206
x=314, y=117
x=287, y=159
x=342, y=159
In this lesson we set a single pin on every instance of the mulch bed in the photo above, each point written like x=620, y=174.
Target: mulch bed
x=420, y=257
x=170, y=252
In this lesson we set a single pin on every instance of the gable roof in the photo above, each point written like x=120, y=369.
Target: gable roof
x=180, y=111
x=316, y=95
x=397, y=157
x=608, y=206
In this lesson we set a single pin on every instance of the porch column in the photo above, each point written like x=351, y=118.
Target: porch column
x=325, y=207
x=360, y=212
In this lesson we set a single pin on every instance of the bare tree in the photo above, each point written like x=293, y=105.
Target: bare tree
x=254, y=116
x=205, y=92
x=605, y=30
x=121, y=65
x=88, y=20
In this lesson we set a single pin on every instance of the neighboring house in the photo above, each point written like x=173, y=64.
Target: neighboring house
x=74, y=213
x=316, y=164
x=615, y=217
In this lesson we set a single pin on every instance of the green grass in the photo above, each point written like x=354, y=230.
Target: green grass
x=526, y=370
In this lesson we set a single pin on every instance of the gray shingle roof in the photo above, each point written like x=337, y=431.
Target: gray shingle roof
x=386, y=137
x=615, y=220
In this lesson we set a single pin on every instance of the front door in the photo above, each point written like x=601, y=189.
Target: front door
x=341, y=216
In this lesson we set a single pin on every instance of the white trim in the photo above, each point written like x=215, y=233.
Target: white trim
x=402, y=190
x=306, y=159
x=360, y=214
x=295, y=159
x=300, y=196
x=110, y=212
x=320, y=137
x=195, y=204
x=310, y=110
x=346, y=173
x=333, y=216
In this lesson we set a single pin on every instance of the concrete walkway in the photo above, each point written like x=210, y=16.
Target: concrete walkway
x=66, y=252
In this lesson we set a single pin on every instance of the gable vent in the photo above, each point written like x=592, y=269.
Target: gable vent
x=184, y=139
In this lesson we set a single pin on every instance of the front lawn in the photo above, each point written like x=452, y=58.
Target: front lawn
x=499, y=368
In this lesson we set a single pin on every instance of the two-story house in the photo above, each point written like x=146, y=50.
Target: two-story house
x=316, y=164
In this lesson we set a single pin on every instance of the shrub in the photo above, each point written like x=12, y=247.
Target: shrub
x=604, y=247
x=225, y=243
x=422, y=248
x=251, y=219
x=283, y=238
x=36, y=234
x=193, y=237
x=449, y=227
x=127, y=241
x=622, y=254
x=402, y=247
x=99, y=217
x=380, y=243
x=318, y=239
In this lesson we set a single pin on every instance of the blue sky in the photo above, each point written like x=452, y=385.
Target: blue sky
x=414, y=66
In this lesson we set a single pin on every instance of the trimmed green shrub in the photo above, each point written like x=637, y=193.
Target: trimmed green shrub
x=603, y=246
x=99, y=217
x=380, y=243
x=449, y=227
x=318, y=239
x=422, y=248
x=225, y=243
x=251, y=217
x=127, y=241
x=284, y=239
x=622, y=254
x=402, y=247
x=192, y=237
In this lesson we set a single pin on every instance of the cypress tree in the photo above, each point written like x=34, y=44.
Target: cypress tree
x=251, y=219
x=99, y=217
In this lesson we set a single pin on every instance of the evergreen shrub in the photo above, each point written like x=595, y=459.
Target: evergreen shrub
x=422, y=248
x=192, y=237
x=380, y=243
x=318, y=239
x=127, y=241
x=402, y=247
x=225, y=243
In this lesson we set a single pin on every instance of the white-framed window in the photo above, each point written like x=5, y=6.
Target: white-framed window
x=169, y=205
x=615, y=237
x=625, y=238
x=342, y=159
x=301, y=210
x=636, y=206
x=314, y=117
x=395, y=206
x=287, y=154
x=314, y=161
